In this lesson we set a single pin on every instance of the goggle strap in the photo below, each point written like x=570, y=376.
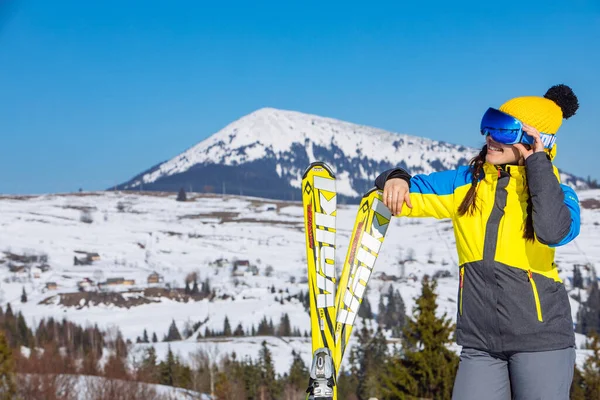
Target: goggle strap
x=547, y=139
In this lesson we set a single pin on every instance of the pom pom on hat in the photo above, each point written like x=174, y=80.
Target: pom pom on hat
x=564, y=97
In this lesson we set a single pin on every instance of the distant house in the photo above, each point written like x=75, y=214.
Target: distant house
x=51, y=285
x=81, y=261
x=115, y=281
x=36, y=272
x=15, y=268
x=155, y=278
x=241, y=263
x=85, y=283
x=119, y=281
x=44, y=267
x=88, y=258
x=243, y=268
x=221, y=262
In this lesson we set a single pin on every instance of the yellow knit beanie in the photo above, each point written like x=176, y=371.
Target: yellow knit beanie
x=544, y=113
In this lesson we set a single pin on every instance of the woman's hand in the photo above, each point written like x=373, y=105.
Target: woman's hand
x=395, y=194
x=537, y=147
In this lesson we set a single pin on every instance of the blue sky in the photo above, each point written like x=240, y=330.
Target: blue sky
x=94, y=92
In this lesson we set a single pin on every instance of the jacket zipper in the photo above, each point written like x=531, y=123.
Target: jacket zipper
x=538, y=306
x=462, y=283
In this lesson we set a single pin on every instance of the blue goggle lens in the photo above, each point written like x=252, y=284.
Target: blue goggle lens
x=506, y=129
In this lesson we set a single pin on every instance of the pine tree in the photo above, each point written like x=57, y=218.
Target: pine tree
x=195, y=287
x=393, y=314
x=167, y=369
x=263, y=327
x=364, y=310
x=271, y=327
x=297, y=377
x=145, y=337
x=149, y=368
x=577, y=277
x=205, y=288
x=591, y=367
x=187, y=289
x=24, y=335
x=269, y=388
x=426, y=368
x=239, y=330
x=8, y=388
x=226, y=327
x=173, y=333
x=347, y=384
x=154, y=338
x=23, y=296
x=284, y=328
x=588, y=316
x=368, y=360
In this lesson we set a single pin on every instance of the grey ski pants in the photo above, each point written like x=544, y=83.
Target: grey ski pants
x=544, y=375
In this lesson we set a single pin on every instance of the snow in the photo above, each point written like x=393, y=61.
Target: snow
x=157, y=233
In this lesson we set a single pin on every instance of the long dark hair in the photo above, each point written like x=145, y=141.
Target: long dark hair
x=468, y=205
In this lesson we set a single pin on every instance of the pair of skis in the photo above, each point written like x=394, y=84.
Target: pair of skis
x=334, y=304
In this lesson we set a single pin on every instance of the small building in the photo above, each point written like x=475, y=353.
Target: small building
x=16, y=268
x=88, y=258
x=119, y=281
x=115, y=281
x=85, y=283
x=155, y=278
x=221, y=262
x=51, y=285
x=44, y=267
x=244, y=270
x=241, y=263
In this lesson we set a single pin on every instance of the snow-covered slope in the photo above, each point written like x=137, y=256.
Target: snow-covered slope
x=135, y=234
x=265, y=153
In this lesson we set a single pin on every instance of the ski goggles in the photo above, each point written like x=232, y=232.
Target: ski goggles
x=506, y=129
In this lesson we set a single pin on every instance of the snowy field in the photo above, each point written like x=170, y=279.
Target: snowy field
x=136, y=234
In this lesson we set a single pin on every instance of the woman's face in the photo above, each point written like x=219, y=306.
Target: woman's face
x=498, y=153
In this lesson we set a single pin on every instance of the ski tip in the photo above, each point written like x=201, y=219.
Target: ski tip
x=318, y=164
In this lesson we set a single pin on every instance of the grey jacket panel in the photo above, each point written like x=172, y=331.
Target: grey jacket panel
x=499, y=311
x=551, y=217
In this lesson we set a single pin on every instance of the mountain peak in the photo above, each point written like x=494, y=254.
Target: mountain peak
x=265, y=153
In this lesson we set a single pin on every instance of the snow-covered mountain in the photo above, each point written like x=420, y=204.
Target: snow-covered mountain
x=265, y=153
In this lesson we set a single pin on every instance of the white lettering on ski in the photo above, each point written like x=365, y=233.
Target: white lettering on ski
x=326, y=275
x=357, y=285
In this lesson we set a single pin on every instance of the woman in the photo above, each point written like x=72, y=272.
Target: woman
x=509, y=212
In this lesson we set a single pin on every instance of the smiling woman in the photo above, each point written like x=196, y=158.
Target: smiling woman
x=510, y=212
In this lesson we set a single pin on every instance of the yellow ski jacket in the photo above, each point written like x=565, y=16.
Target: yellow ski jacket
x=510, y=297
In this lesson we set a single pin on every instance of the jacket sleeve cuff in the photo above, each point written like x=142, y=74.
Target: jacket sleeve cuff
x=390, y=174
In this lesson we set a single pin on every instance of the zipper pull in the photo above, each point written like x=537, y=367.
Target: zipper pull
x=529, y=274
x=499, y=175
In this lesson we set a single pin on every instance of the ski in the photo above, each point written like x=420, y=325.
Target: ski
x=370, y=226
x=319, y=199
